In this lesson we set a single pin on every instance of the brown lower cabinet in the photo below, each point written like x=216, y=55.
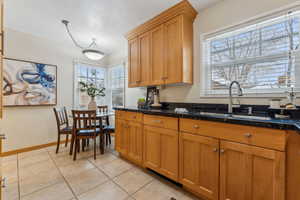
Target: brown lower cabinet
x=199, y=164
x=212, y=167
x=129, y=140
x=251, y=173
x=135, y=151
x=161, y=151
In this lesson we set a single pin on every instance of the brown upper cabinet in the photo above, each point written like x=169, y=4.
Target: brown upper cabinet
x=160, y=51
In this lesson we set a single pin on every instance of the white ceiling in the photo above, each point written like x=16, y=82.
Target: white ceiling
x=105, y=20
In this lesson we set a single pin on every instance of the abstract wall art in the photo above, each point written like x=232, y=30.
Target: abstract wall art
x=28, y=83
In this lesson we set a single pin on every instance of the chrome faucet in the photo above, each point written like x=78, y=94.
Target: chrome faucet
x=240, y=93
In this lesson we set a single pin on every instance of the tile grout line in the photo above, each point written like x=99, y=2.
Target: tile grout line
x=96, y=167
x=142, y=188
x=111, y=178
x=65, y=180
x=129, y=195
x=44, y=186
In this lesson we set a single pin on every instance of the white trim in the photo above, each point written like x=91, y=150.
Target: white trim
x=271, y=18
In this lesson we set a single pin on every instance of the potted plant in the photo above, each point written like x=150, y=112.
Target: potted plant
x=141, y=102
x=92, y=91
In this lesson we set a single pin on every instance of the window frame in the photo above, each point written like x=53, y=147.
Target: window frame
x=77, y=77
x=110, y=89
x=206, y=90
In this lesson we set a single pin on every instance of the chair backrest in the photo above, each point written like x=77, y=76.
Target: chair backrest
x=61, y=117
x=86, y=120
x=104, y=109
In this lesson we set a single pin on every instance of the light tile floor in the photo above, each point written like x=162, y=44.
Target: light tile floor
x=45, y=175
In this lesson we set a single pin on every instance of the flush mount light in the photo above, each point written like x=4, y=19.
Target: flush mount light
x=91, y=51
x=93, y=54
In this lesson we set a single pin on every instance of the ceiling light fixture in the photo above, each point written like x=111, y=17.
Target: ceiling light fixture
x=90, y=52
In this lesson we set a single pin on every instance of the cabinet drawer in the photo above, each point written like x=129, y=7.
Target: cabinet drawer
x=131, y=116
x=134, y=116
x=263, y=137
x=120, y=114
x=163, y=122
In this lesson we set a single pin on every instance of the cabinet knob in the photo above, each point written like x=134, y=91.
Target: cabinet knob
x=196, y=126
x=222, y=151
x=215, y=150
x=248, y=135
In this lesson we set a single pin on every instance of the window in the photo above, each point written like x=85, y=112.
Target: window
x=116, y=85
x=262, y=57
x=88, y=74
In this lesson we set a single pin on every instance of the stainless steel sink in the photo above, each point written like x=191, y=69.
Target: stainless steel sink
x=215, y=114
x=251, y=117
x=235, y=116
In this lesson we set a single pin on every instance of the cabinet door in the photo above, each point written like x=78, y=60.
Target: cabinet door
x=251, y=173
x=169, y=153
x=173, y=50
x=133, y=59
x=268, y=174
x=199, y=164
x=157, y=56
x=122, y=136
x=135, y=151
x=152, y=147
x=144, y=59
x=235, y=172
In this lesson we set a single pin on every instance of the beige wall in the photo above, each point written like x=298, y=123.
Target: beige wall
x=222, y=15
x=28, y=126
x=225, y=13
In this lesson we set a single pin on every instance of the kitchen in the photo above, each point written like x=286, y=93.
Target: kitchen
x=200, y=102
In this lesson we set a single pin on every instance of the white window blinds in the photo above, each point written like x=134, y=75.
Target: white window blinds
x=116, y=83
x=263, y=57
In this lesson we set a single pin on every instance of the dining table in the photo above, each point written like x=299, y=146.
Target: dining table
x=99, y=116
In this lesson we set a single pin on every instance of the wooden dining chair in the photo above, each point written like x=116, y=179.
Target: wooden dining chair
x=63, y=127
x=108, y=129
x=84, y=127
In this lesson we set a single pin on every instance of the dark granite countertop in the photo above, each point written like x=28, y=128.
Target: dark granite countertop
x=287, y=124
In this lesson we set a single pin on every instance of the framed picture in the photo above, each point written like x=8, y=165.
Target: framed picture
x=27, y=83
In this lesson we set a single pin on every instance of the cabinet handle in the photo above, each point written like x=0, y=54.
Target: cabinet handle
x=248, y=135
x=157, y=121
x=196, y=126
x=3, y=182
x=222, y=151
x=215, y=150
x=133, y=117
